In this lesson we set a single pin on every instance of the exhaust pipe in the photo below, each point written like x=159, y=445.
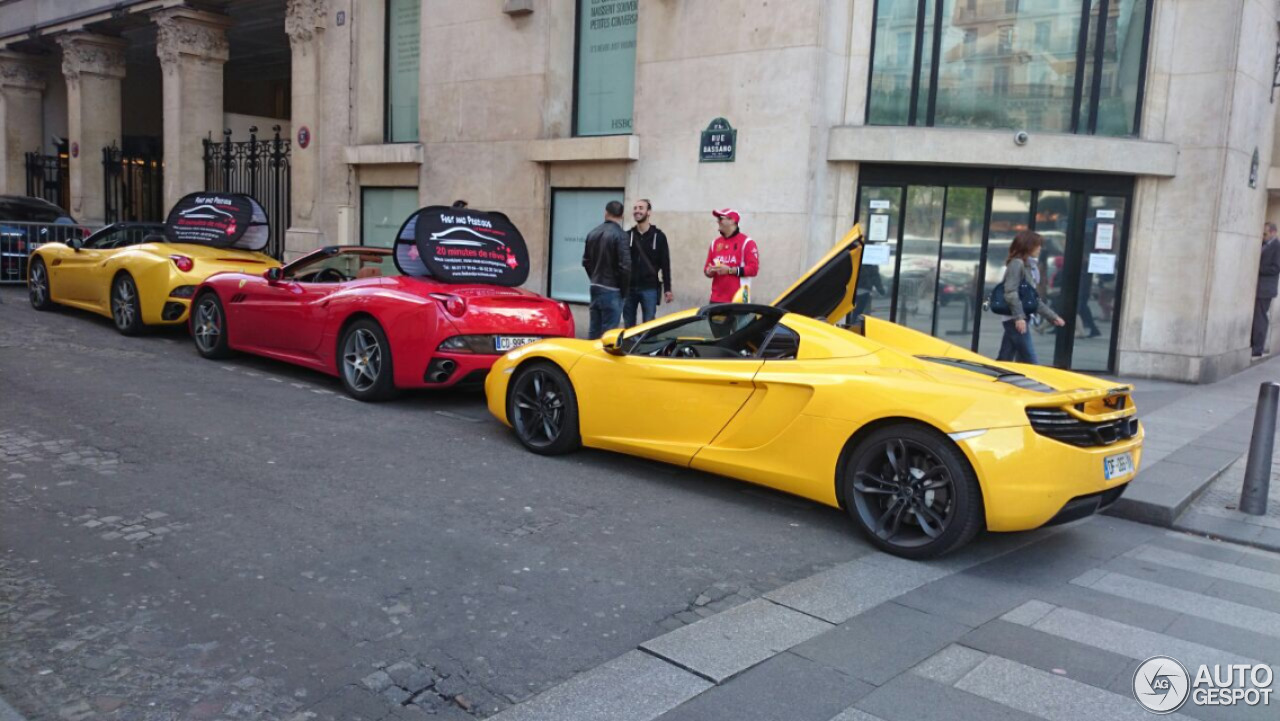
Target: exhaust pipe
x=441, y=369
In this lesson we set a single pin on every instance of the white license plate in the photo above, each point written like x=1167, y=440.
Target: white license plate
x=504, y=343
x=1118, y=465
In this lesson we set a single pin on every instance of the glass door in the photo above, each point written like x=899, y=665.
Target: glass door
x=1098, y=284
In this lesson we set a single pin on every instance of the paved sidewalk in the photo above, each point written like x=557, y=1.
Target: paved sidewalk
x=1194, y=434
x=1047, y=625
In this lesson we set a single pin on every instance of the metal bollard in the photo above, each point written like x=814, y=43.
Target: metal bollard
x=1257, y=470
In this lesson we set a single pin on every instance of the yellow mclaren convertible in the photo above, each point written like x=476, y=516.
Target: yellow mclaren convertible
x=135, y=275
x=923, y=443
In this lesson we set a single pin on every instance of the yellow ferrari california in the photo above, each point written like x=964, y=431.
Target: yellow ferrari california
x=923, y=443
x=141, y=274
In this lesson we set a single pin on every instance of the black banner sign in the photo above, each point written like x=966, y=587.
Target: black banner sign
x=221, y=220
x=461, y=245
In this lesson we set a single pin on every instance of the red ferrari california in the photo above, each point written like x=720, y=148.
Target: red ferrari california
x=435, y=311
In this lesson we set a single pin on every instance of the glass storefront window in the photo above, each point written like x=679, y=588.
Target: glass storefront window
x=605, y=83
x=1011, y=65
x=404, y=26
x=960, y=273
x=382, y=212
x=573, y=214
x=880, y=210
x=918, y=271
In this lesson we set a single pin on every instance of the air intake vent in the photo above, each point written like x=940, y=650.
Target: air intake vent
x=999, y=374
x=1061, y=426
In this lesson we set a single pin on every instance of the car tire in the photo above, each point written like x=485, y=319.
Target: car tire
x=38, y=285
x=209, y=327
x=365, y=363
x=911, y=491
x=126, y=308
x=542, y=407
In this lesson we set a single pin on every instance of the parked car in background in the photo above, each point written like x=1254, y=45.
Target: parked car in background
x=138, y=278
x=383, y=319
x=25, y=223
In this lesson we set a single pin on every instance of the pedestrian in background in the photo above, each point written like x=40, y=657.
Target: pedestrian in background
x=650, y=266
x=1023, y=266
x=607, y=260
x=732, y=260
x=1268, y=273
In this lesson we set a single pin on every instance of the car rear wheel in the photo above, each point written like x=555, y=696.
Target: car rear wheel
x=38, y=286
x=209, y=326
x=912, y=492
x=364, y=362
x=543, y=410
x=126, y=309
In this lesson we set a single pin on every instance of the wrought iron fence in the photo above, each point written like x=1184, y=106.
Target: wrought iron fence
x=259, y=168
x=133, y=186
x=48, y=178
x=17, y=240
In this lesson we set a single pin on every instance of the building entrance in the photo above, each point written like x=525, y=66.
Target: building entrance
x=944, y=236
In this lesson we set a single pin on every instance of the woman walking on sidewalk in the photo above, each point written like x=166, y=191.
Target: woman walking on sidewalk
x=1023, y=266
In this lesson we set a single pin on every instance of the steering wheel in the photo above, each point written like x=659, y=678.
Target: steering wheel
x=329, y=275
x=685, y=350
x=664, y=350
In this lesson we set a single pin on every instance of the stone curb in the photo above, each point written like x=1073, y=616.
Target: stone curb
x=1162, y=505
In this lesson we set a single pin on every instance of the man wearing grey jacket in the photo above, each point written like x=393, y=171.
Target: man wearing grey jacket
x=607, y=260
x=1268, y=273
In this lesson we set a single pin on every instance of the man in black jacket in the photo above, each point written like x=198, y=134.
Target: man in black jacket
x=650, y=258
x=1268, y=273
x=608, y=263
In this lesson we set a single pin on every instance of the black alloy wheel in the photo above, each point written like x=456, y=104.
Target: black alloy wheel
x=543, y=409
x=912, y=492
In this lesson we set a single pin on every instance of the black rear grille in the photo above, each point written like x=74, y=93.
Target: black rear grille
x=1060, y=425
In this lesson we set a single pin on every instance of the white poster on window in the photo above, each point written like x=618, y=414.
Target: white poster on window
x=875, y=255
x=606, y=66
x=1105, y=236
x=1106, y=213
x=1102, y=263
x=879, y=230
x=879, y=205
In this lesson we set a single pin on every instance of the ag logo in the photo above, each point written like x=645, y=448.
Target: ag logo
x=1161, y=684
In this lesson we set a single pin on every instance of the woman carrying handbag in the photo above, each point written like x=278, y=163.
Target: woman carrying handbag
x=1023, y=267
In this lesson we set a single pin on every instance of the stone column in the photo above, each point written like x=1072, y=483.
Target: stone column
x=192, y=46
x=93, y=66
x=304, y=23
x=21, y=127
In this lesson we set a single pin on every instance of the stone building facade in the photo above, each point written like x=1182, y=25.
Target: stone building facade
x=1146, y=153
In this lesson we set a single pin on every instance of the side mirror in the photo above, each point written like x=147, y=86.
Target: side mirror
x=76, y=244
x=611, y=341
x=273, y=275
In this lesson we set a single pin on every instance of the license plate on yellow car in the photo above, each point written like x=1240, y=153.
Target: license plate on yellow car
x=1118, y=465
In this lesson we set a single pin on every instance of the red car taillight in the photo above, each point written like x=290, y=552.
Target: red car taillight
x=455, y=305
x=565, y=311
x=184, y=263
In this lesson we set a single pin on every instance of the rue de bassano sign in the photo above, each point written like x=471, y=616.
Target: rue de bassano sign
x=719, y=142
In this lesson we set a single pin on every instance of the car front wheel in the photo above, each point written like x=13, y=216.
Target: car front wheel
x=912, y=492
x=38, y=285
x=209, y=326
x=543, y=409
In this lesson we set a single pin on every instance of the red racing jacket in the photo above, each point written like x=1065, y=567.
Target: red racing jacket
x=739, y=252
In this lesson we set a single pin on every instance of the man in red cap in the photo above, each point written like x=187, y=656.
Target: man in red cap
x=733, y=259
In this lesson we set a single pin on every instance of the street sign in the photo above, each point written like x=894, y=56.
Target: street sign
x=719, y=143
